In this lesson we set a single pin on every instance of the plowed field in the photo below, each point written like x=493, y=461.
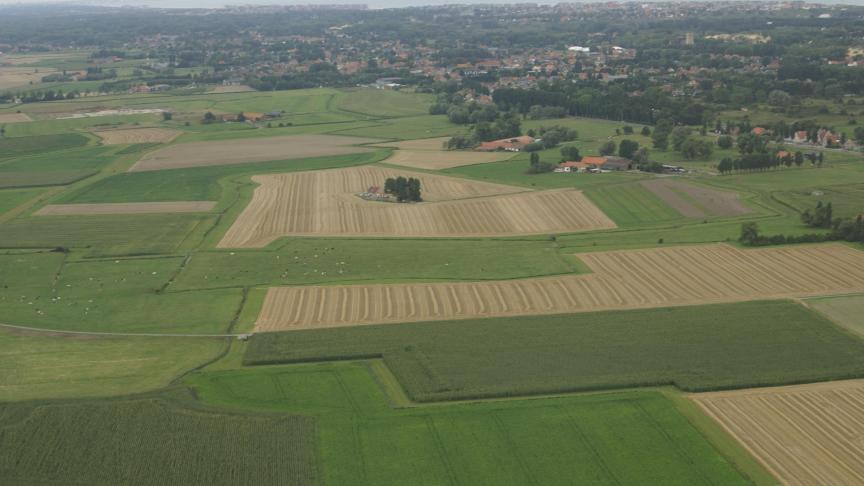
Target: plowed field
x=620, y=280
x=128, y=208
x=807, y=434
x=696, y=201
x=325, y=203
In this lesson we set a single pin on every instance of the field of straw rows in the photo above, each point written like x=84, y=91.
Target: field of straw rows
x=807, y=434
x=620, y=280
x=325, y=203
x=137, y=135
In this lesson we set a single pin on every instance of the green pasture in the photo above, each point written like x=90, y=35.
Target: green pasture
x=631, y=204
x=847, y=201
x=696, y=348
x=303, y=261
x=383, y=102
x=18, y=146
x=47, y=290
x=624, y=438
x=12, y=198
x=42, y=365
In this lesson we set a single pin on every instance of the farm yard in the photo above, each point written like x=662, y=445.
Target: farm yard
x=236, y=282
x=618, y=280
x=805, y=434
x=323, y=203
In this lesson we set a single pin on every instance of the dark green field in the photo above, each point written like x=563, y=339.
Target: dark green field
x=18, y=146
x=694, y=348
x=626, y=438
x=152, y=441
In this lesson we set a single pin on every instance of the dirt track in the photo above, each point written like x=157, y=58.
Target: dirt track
x=243, y=151
x=806, y=434
x=137, y=135
x=620, y=280
x=694, y=201
x=325, y=203
x=127, y=208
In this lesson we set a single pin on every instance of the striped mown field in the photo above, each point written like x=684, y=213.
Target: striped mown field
x=620, y=280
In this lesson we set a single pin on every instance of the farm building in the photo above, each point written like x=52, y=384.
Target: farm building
x=514, y=144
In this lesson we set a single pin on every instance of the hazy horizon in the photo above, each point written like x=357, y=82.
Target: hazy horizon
x=378, y=4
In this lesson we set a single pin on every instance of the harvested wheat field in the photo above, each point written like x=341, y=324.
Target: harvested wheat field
x=127, y=208
x=235, y=88
x=244, y=151
x=804, y=434
x=14, y=118
x=431, y=144
x=11, y=77
x=321, y=203
x=137, y=135
x=696, y=201
x=620, y=280
x=443, y=159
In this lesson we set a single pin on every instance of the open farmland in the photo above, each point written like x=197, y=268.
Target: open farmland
x=845, y=310
x=137, y=135
x=806, y=434
x=127, y=208
x=694, y=348
x=14, y=77
x=205, y=154
x=39, y=365
x=622, y=438
x=696, y=201
x=620, y=279
x=152, y=441
x=325, y=203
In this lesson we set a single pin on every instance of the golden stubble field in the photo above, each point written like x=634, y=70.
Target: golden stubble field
x=429, y=154
x=804, y=434
x=14, y=77
x=320, y=203
x=624, y=279
x=244, y=151
x=137, y=135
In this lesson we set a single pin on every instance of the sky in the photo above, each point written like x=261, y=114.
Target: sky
x=371, y=3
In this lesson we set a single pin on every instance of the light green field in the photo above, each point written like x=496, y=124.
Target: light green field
x=627, y=438
x=40, y=365
x=631, y=204
x=847, y=201
x=46, y=290
x=846, y=310
x=383, y=103
x=304, y=261
x=12, y=198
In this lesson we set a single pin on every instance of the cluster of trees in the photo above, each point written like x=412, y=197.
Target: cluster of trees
x=761, y=161
x=405, y=190
x=842, y=229
x=821, y=217
x=539, y=112
x=507, y=125
x=550, y=137
x=682, y=140
x=535, y=166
